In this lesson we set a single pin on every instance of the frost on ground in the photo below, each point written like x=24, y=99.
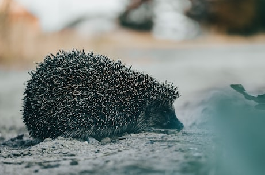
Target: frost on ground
x=144, y=153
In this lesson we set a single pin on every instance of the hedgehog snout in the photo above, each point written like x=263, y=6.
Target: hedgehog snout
x=163, y=117
x=172, y=122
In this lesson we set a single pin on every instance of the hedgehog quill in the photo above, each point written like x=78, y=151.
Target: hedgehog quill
x=79, y=95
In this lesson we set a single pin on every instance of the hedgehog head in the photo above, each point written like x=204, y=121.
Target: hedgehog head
x=160, y=113
x=163, y=117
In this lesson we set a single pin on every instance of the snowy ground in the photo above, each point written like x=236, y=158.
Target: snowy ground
x=200, y=73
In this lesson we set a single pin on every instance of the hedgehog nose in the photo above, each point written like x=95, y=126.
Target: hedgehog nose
x=180, y=126
x=175, y=124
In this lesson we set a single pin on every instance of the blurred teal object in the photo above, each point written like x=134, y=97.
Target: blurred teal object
x=238, y=119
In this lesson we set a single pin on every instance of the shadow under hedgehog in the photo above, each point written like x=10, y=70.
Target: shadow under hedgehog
x=79, y=95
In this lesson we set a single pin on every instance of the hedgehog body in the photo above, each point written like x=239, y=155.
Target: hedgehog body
x=74, y=94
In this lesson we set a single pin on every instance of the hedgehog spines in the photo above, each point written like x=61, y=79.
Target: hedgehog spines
x=75, y=94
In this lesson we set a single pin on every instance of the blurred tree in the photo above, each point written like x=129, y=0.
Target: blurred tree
x=18, y=31
x=4, y=44
x=231, y=16
x=138, y=15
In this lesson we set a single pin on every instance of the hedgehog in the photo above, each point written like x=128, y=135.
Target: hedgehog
x=81, y=95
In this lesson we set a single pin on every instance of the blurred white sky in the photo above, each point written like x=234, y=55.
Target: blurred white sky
x=55, y=14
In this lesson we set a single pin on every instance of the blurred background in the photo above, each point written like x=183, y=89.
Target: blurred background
x=29, y=29
x=201, y=46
